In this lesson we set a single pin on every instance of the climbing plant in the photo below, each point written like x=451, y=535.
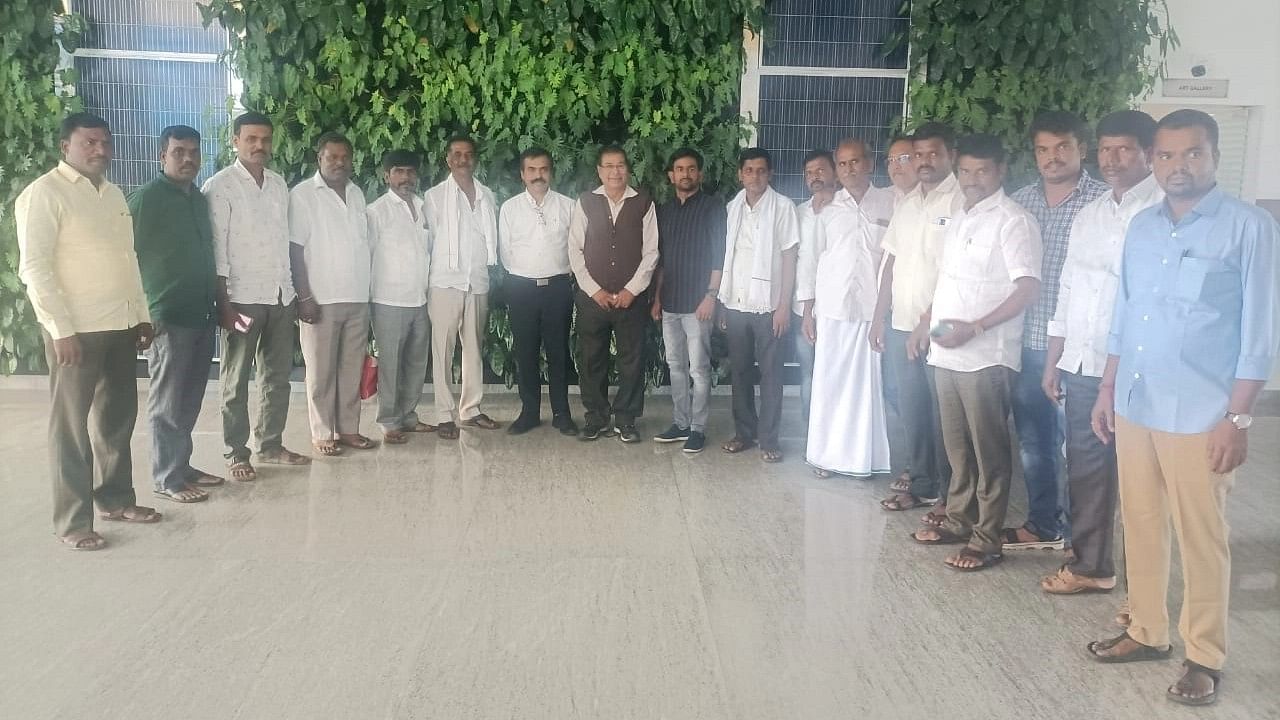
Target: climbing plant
x=567, y=75
x=991, y=66
x=31, y=32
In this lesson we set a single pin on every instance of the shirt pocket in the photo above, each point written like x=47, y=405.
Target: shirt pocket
x=1201, y=279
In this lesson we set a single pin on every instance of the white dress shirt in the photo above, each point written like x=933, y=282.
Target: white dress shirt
x=335, y=237
x=915, y=239
x=987, y=248
x=533, y=238
x=1091, y=276
x=735, y=284
x=472, y=271
x=75, y=245
x=251, y=234
x=400, y=243
x=806, y=254
x=843, y=286
x=648, y=252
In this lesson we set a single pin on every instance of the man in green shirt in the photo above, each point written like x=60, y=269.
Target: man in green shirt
x=173, y=240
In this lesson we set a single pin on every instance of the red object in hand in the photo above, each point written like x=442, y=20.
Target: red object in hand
x=369, y=378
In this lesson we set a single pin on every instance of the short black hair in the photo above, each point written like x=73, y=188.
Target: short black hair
x=755, y=153
x=251, y=118
x=897, y=139
x=684, y=152
x=535, y=152
x=401, y=158
x=331, y=138
x=983, y=146
x=76, y=121
x=612, y=149
x=1059, y=122
x=461, y=138
x=178, y=132
x=1129, y=123
x=1188, y=118
x=936, y=131
x=818, y=155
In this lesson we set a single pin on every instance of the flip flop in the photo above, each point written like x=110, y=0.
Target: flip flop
x=896, y=503
x=283, y=456
x=944, y=538
x=394, y=437
x=178, y=496
x=359, y=442
x=1214, y=675
x=134, y=514
x=327, y=449
x=204, y=479
x=737, y=445
x=985, y=560
x=83, y=541
x=1144, y=653
x=242, y=471
x=771, y=456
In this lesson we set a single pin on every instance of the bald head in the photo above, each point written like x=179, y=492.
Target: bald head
x=854, y=165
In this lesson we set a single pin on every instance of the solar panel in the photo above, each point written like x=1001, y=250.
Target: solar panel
x=149, y=25
x=834, y=33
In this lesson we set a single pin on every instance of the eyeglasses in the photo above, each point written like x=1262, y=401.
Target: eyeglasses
x=904, y=159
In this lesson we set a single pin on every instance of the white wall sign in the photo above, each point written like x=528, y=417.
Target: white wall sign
x=1195, y=87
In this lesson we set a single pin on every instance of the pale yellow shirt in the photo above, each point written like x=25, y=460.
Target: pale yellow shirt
x=914, y=239
x=75, y=244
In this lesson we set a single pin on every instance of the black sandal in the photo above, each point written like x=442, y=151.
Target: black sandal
x=1144, y=653
x=944, y=538
x=1211, y=698
x=985, y=560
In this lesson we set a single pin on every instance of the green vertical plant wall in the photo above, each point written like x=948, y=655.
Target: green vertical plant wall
x=31, y=32
x=991, y=65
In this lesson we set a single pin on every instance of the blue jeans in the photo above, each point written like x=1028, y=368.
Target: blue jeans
x=687, y=341
x=178, y=362
x=1040, y=438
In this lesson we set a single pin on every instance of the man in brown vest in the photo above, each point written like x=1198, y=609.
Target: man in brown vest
x=613, y=248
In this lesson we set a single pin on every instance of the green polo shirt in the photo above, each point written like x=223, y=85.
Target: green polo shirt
x=174, y=242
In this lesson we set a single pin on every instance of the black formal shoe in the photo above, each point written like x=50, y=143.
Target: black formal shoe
x=565, y=424
x=675, y=433
x=595, y=432
x=695, y=443
x=628, y=434
x=523, y=424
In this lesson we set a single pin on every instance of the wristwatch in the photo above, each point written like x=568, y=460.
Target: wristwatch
x=1242, y=421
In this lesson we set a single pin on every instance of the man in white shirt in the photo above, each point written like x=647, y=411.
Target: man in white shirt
x=990, y=272
x=533, y=244
x=756, y=289
x=1077, y=352
x=613, y=249
x=400, y=245
x=847, y=426
x=76, y=257
x=249, y=211
x=329, y=247
x=912, y=247
x=462, y=216
x=820, y=178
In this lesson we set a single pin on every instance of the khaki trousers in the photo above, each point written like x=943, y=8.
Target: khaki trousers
x=1166, y=476
x=975, y=408
x=455, y=314
x=334, y=348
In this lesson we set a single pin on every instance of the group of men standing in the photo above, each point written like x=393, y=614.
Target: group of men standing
x=1145, y=303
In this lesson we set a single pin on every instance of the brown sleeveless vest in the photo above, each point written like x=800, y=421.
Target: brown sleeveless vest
x=612, y=250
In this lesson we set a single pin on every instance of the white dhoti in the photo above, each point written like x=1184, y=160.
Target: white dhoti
x=847, y=429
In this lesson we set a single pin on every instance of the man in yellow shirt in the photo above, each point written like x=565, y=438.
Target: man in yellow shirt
x=75, y=240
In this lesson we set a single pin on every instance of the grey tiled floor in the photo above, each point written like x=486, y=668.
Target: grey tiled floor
x=539, y=577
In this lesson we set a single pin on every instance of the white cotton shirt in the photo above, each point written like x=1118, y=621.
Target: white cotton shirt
x=736, y=282
x=1091, y=276
x=986, y=249
x=848, y=260
x=472, y=273
x=251, y=235
x=915, y=238
x=401, y=249
x=533, y=239
x=806, y=254
x=334, y=236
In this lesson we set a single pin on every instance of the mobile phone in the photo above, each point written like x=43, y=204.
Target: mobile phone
x=941, y=329
x=243, y=323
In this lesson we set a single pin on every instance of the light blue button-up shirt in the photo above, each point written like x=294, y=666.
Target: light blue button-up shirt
x=1198, y=308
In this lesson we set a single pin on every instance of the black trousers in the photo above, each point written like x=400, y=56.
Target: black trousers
x=626, y=328
x=540, y=313
x=751, y=342
x=1092, y=481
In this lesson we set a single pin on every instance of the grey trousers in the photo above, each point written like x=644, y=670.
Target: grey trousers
x=403, y=335
x=687, y=343
x=178, y=362
x=334, y=349
x=93, y=409
x=268, y=346
x=1092, y=482
x=975, y=409
x=921, y=421
x=751, y=342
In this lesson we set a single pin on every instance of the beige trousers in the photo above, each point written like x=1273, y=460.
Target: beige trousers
x=455, y=314
x=1166, y=476
x=334, y=348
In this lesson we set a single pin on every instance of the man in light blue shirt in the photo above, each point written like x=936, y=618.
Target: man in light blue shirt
x=1194, y=335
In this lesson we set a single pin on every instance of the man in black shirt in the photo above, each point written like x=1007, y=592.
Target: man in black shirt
x=691, y=231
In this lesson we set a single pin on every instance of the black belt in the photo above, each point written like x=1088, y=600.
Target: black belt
x=540, y=282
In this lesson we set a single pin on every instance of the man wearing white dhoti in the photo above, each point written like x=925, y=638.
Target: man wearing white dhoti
x=847, y=427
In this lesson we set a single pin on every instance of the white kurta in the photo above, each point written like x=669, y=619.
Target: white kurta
x=848, y=433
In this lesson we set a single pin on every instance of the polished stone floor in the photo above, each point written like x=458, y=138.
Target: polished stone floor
x=539, y=577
